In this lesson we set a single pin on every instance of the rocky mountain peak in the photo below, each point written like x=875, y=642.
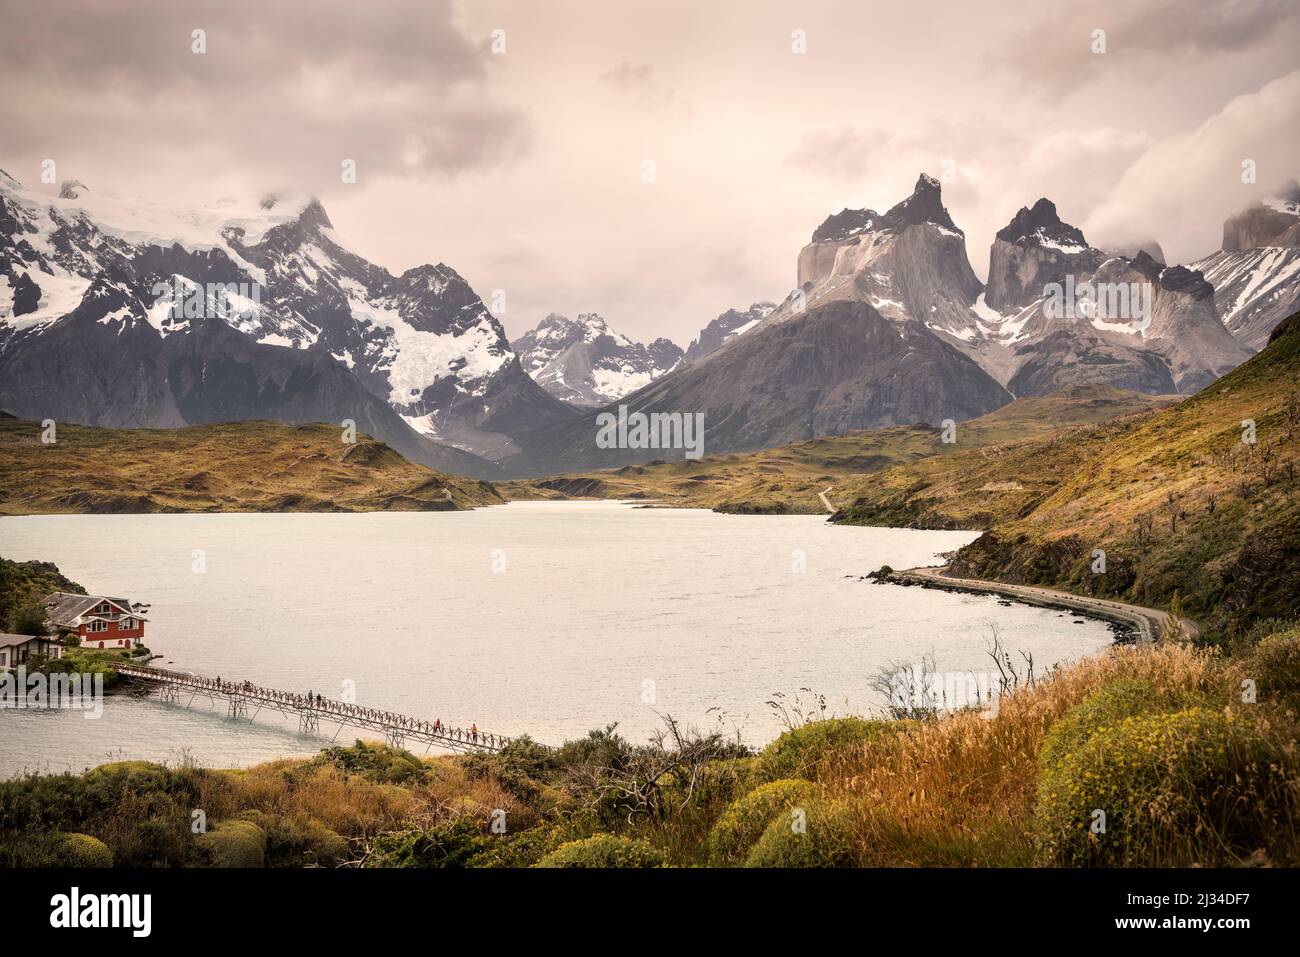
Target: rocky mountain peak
x=1130, y=250
x=925, y=205
x=1033, y=250
x=732, y=323
x=1146, y=264
x=1041, y=225
x=71, y=189
x=584, y=362
x=1273, y=222
x=314, y=215
x=1184, y=280
x=845, y=224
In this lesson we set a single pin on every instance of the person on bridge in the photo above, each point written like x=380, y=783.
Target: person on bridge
x=437, y=725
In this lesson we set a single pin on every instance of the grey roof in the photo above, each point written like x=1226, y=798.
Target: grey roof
x=63, y=608
x=7, y=640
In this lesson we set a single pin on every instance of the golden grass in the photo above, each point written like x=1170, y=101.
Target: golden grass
x=961, y=790
x=788, y=479
x=235, y=466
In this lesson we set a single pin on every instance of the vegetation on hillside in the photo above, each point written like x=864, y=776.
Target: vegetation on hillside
x=231, y=467
x=1164, y=755
x=787, y=480
x=1201, y=498
x=22, y=586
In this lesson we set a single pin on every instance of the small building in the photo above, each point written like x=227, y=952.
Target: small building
x=98, y=621
x=18, y=650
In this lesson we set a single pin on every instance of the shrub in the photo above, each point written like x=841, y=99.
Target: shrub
x=82, y=850
x=744, y=822
x=147, y=841
x=1276, y=665
x=325, y=847
x=233, y=844
x=1104, y=708
x=374, y=762
x=1187, y=787
x=604, y=850
x=519, y=767
x=110, y=783
x=455, y=843
x=797, y=753
x=821, y=836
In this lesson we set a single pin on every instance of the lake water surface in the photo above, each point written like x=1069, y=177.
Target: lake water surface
x=545, y=618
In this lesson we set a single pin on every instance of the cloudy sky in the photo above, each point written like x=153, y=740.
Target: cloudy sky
x=525, y=167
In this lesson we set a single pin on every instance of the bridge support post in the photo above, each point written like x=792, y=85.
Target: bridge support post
x=238, y=706
x=308, y=722
x=394, y=738
x=169, y=692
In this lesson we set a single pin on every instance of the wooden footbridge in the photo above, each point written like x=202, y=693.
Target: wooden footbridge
x=241, y=697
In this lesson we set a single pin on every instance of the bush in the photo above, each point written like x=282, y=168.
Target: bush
x=455, y=843
x=825, y=838
x=519, y=767
x=303, y=841
x=82, y=850
x=1187, y=787
x=1106, y=707
x=374, y=762
x=797, y=752
x=117, y=780
x=744, y=822
x=233, y=844
x=604, y=850
x=1276, y=665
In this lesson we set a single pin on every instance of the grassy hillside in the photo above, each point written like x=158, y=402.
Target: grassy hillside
x=231, y=467
x=22, y=586
x=1175, y=498
x=787, y=479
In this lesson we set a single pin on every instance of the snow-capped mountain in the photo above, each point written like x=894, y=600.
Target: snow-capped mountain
x=586, y=363
x=732, y=323
x=1110, y=320
x=844, y=351
x=1256, y=275
x=272, y=287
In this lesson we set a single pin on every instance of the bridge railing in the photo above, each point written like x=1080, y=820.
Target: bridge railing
x=394, y=725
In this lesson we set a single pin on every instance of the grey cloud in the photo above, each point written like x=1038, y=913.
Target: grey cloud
x=637, y=82
x=292, y=88
x=842, y=152
x=1053, y=57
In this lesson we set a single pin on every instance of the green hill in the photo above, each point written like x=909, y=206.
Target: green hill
x=230, y=467
x=1177, y=499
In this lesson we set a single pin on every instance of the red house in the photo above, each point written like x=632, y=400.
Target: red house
x=97, y=620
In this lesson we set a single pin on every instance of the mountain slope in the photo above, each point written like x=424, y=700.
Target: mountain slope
x=1256, y=275
x=789, y=478
x=584, y=362
x=232, y=467
x=845, y=352
x=733, y=322
x=275, y=275
x=1175, y=498
x=1059, y=312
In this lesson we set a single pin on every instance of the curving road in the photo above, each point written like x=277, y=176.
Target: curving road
x=1149, y=622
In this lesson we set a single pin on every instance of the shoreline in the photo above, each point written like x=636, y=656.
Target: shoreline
x=1145, y=623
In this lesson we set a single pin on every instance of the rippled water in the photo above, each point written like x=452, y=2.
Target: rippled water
x=546, y=618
